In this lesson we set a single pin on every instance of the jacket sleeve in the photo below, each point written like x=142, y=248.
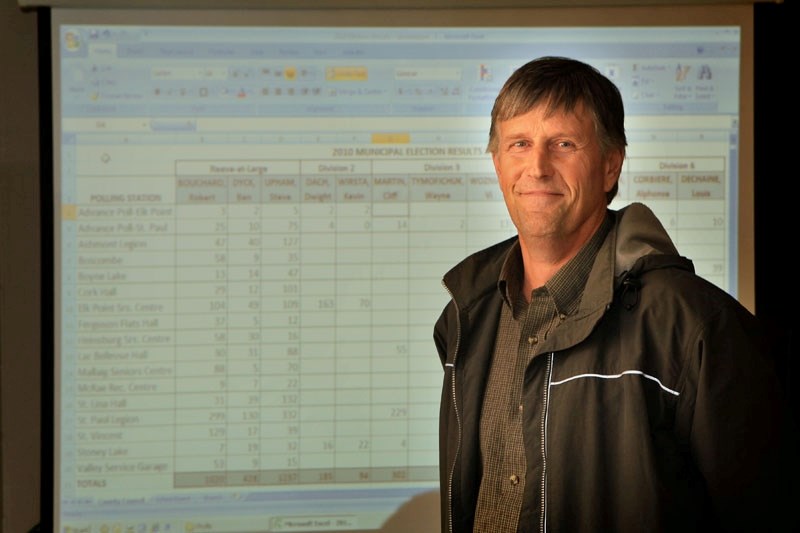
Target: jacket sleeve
x=742, y=435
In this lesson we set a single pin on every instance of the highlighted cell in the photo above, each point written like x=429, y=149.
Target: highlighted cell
x=391, y=138
x=346, y=74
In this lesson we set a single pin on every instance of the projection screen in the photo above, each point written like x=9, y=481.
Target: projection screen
x=253, y=211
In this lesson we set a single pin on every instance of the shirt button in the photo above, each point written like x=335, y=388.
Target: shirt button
x=520, y=408
x=514, y=479
x=533, y=340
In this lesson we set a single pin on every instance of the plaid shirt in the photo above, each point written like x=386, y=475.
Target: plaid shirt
x=521, y=327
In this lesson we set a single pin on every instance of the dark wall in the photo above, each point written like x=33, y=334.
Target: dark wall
x=19, y=271
x=776, y=212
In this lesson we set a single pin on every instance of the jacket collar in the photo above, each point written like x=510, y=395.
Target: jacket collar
x=636, y=243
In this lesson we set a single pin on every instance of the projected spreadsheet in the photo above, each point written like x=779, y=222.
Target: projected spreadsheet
x=252, y=233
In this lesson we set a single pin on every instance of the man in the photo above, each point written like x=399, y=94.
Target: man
x=594, y=382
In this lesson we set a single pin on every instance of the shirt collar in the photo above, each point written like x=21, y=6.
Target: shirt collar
x=566, y=286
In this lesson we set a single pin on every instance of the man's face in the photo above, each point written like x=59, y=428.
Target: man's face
x=553, y=176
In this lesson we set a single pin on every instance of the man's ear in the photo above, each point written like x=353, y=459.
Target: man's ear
x=613, y=168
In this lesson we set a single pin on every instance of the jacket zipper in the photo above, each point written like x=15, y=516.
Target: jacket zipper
x=545, y=412
x=455, y=409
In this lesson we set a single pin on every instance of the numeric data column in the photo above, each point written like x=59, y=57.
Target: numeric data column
x=353, y=320
x=280, y=323
x=201, y=444
x=702, y=217
x=438, y=240
x=653, y=180
x=390, y=313
x=244, y=323
x=318, y=306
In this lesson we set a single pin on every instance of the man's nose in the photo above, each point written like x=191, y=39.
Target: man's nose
x=538, y=162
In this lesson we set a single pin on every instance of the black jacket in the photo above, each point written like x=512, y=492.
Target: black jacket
x=653, y=408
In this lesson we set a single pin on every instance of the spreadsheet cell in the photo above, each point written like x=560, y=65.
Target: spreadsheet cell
x=390, y=381
x=141, y=305
x=423, y=228
x=319, y=324
x=392, y=253
x=389, y=231
x=202, y=228
x=353, y=415
x=278, y=382
x=243, y=321
x=323, y=426
x=317, y=335
x=353, y=302
x=701, y=236
x=189, y=352
x=312, y=255
x=701, y=252
x=354, y=359
x=394, y=286
x=388, y=458
x=201, y=365
x=397, y=208
x=424, y=380
x=117, y=259
x=421, y=365
x=353, y=396
x=201, y=417
x=353, y=263
x=431, y=253
x=148, y=451
x=211, y=384
x=420, y=436
x=243, y=464
x=122, y=436
x=111, y=404
x=243, y=365
x=380, y=443
x=713, y=267
x=241, y=383
x=119, y=482
x=204, y=321
x=353, y=231
x=243, y=434
x=314, y=462
x=153, y=283
x=349, y=458
x=185, y=463
x=317, y=271
x=153, y=418
x=425, y=456
x=322, y=382
x=390, y=363
x=273, y=432
x=388, y=317
x=702, y=220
